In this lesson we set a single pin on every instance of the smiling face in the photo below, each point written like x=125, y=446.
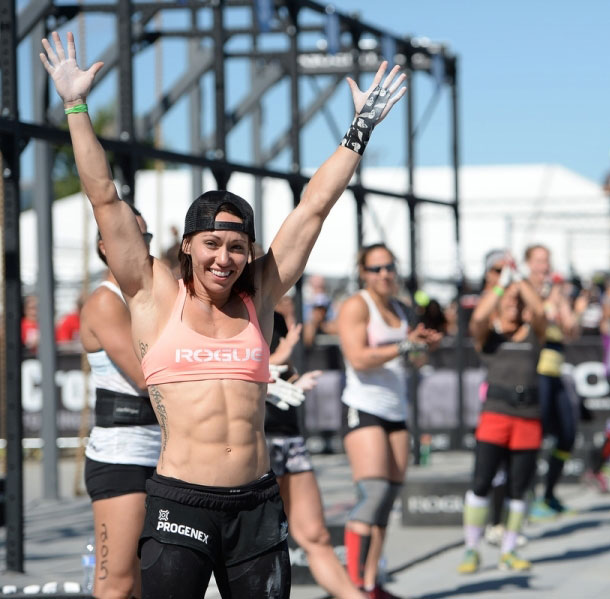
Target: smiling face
x=218, y=257
x=539, y=263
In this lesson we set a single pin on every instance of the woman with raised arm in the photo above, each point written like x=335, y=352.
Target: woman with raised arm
x=376, y=340
x=213, y=504
x=507, y=326
x=125, y=442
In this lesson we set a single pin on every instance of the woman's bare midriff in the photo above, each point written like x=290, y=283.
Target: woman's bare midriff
x=213, y=431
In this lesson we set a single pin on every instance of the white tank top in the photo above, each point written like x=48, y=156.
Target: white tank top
x=381, y=391
x=139, y=445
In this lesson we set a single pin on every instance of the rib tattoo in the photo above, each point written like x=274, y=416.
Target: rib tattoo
x=157, y=398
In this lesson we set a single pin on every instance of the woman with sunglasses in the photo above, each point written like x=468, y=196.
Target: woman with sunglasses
x=125, y=442
x=507, y=327
x=376, y=340
x=213, y=504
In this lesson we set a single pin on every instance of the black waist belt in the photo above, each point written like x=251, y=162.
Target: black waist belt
x=119, y=409
x=515, y=396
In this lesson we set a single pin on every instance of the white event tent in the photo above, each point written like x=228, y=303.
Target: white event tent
x=504, y=206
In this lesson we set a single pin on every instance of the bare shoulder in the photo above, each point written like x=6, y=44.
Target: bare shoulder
x=102, y=300
x=354, y=309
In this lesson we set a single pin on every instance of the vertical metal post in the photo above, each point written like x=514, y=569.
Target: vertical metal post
x=126, y=162
x=461, y=333
x=11, y=381
x=195, y=113
x=220, y=173
x=257, y=126
x=43, y=201
x=359, y=195
x=296, y=183
x=412, y=281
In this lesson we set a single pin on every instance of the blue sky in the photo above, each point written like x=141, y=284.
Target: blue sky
x=534, y=85
x=535, y=76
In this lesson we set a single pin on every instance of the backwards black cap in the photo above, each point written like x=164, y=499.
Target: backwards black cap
x=201, y=215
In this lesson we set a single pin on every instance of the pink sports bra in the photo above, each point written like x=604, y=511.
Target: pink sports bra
x=181, y=354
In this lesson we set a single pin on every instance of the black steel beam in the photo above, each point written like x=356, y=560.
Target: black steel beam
x=30, y=15
x=11, y=379
x=126, y=161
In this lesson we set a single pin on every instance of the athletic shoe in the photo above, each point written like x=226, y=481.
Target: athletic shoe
x=556, y=505
x=597, y=480
x=541, y=510
x=470, y=563
x=379, y=593
x=494, y=534
x=510, y=561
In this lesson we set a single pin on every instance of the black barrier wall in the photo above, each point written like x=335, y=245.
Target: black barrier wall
x=584, y=374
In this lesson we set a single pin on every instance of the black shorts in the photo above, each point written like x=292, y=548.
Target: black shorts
x=104, y=480
x=229, y=525
x=352, y=419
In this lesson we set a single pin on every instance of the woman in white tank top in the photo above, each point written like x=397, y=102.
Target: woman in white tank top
x=376, y=341
x=120, y=455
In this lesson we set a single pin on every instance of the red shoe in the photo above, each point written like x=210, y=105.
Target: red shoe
x=597, y=480
x=380, y=593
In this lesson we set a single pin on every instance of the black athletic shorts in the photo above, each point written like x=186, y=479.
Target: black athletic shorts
x=229, y=525
x=104, y=480
x=352, y=419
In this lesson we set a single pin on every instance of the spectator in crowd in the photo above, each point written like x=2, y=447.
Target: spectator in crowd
x=589, y=310
x=376, y=340
x=559, y=418
x=124, y=444
x=68, y=327
x=507, y=326
x=321, y=352
x=433, y=316
x=604, y=326
x=318, y=312
x=598, y=457
x=291, y=462
x=30, y=333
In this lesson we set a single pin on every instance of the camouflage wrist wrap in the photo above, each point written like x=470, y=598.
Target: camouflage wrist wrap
x=358, y=134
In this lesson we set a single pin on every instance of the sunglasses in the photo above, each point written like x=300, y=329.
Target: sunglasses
x=496, y=269
x=390, y=267
x=147, y=237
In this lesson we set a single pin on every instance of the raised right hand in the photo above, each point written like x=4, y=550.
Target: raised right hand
x=72, y=84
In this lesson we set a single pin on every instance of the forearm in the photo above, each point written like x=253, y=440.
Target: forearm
x=479, y=321
x=91, y=162
x=330, y=181
x=532, y=299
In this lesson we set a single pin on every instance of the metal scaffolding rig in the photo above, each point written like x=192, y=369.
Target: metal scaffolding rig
x=355, y=48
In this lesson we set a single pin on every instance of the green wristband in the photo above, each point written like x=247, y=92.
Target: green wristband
x=499, y=291
x=77, y=108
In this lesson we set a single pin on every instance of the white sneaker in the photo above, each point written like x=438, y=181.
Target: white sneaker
x=494, y=534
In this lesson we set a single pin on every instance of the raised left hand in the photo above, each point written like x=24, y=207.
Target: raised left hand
x=375, y=102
